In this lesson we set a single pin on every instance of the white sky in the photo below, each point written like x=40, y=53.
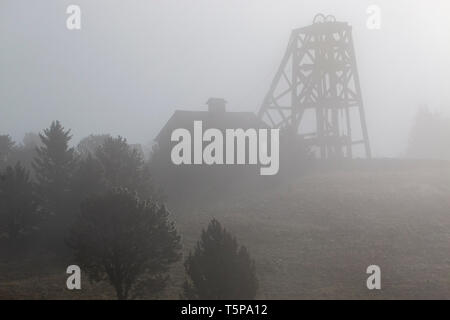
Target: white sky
x=134, y=62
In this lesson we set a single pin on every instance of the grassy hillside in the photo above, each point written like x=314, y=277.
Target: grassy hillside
x=312, y=237
x=315, y=237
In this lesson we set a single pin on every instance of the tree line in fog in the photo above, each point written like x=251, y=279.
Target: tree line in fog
x=97, y=205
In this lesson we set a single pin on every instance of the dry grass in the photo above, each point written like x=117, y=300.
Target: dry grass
x=312, y=238
x=316, y=237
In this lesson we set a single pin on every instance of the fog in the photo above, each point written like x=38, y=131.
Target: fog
x=133, y=63
x=298, y=193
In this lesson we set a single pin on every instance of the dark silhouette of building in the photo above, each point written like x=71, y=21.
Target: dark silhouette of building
x=216, y=116
x=186, y=180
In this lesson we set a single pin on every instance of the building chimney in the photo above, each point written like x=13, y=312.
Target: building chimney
x=216, y=105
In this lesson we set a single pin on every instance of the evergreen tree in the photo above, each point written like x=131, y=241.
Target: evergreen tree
x=26, y=151
x=31, y=140
x=19, y=206
x=219, y=268
x=127, y=242
x=53, y=167
x=6, y=148
x=88, y=179
x=124, y=166
x=429, y=136
x=89, y=145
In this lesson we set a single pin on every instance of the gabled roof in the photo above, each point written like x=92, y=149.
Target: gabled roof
x=219, y=120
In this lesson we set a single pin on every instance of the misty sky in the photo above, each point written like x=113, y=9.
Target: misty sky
x=135, y=62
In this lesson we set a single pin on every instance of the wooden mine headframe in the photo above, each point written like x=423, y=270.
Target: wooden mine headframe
x=318, y=82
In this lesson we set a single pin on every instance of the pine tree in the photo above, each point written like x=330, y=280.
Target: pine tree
x=6, y=148
x=125, y=241
x=20, y=211
x=123, y=166
x=88, y=179
x=53, y=167
x=89, y=145
x=219, y=268
x=429, y=136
